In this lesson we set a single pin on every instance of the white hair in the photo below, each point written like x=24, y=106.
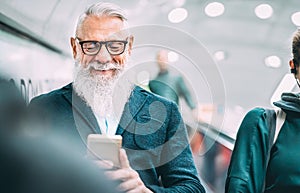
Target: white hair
x=102, y=9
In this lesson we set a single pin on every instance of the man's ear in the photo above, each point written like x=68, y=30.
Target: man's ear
x=130, y=44
x=73, y=45
x=292, y=65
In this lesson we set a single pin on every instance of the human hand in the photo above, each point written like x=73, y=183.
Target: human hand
x=130, y=179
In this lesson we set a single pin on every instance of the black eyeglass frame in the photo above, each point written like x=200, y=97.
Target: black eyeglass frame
x=101, y=43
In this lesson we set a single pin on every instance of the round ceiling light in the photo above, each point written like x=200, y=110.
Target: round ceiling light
x=219, y=55
x=263, y=11
x=273, y=61
x=296, y=19
x=177, y=15
x=214, y=9
x=172, y=56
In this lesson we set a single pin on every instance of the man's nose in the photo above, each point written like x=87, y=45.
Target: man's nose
x=103, y=55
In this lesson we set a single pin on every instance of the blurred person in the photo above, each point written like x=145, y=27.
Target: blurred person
x=167, y=85
x=12, y=107
x=34, y=165
x=258, y=165
x=173, y=88
x=156, y=161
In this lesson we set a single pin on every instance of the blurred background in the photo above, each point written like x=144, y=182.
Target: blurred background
x=248, y=43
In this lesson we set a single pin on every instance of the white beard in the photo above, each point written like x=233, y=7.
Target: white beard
x=105, y=95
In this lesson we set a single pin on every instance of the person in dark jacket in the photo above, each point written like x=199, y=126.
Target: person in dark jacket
x=170, y=86
x=157, y=157
x=31, y=164
x=257, y=165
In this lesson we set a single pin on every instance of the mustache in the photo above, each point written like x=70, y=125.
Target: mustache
x=107, y=66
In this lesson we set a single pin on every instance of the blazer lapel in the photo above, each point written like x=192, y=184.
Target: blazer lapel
x=81, y=111
x=132, y=107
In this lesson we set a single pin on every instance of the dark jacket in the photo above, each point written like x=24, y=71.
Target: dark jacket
x=154, y=135
x=171, y=87
x=247, y=172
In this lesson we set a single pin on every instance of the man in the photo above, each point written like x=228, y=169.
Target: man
x=166, y=85
x=159, y=158
x=173, y=87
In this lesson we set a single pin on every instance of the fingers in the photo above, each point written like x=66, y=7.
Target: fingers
x=130, y=184
x=140, y=190
x=122, y=174
x=130, y=179
x=123, y=159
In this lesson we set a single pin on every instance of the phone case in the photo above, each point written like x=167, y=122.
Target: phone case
x=103, y=147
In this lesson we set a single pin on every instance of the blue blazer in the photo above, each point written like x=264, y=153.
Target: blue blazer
x=153, y=132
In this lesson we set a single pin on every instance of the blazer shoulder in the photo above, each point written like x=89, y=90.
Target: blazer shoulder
x=53, y=95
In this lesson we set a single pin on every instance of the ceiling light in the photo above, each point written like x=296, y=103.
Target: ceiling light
x=273, y=61
x=263, y=11
x=214, y=9
x=219, y=55
x=177, y=15
x=172, y=56
x=296, y=18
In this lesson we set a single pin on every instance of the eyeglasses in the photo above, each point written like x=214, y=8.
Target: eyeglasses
x=114, y=47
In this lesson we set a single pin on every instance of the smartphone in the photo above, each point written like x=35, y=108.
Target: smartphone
x=103, y=147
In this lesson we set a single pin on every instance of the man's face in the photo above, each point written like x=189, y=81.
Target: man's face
x=102, y=28
x=162, y=60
